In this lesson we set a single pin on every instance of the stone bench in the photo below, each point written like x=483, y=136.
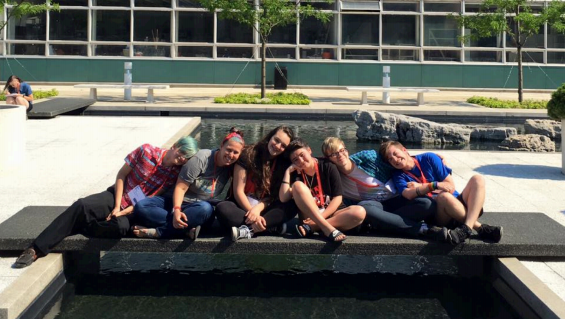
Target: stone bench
x=149, y=87
x=365, y=89
x=525, y=234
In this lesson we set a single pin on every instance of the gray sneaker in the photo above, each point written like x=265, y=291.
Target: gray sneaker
x=243, y=232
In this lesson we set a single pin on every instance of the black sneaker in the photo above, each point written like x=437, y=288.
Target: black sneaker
x=279, y=230
x=491, y=233
x=436, y=233
x=26, y=258
x=459, y=235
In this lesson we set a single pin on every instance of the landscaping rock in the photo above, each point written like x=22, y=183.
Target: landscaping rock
x=528, y=143
x=387, y=126
x=492, y=133
x=549, y=128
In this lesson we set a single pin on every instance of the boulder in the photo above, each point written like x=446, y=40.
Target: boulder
x=528, y=143
x=549, y=128
x=387, y=126
x=498, y=134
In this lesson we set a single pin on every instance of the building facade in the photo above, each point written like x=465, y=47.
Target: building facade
x=177, y=41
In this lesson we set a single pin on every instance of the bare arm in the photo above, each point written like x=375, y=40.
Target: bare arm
x=119, y=186
x=285, y=192
x=239, y=181
x=179, y=218
x=332, y=207
x=411, y=192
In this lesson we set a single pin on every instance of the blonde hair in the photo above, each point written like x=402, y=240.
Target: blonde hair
x=331, y=145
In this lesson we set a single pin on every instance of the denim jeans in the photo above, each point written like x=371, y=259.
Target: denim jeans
x=399, y=215
x=156, y=212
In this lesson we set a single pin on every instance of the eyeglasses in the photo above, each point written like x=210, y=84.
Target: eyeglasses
x=338, y=153
x=180, y=156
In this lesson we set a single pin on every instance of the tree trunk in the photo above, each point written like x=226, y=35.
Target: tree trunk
x=562, y=151
x=263, y=68
x=520, y=76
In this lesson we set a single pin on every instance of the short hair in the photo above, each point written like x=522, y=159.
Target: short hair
x=187, y=145
x=331, y=145
x=386, y=145
x=296, y=144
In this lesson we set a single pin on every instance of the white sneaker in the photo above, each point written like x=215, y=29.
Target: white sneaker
x=243, y=232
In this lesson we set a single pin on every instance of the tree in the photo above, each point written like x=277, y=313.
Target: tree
x=22, y=8
x=264, y=16
x=556, y=110
x=517, y=19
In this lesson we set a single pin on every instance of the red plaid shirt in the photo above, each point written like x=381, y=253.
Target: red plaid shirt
x=148, y=172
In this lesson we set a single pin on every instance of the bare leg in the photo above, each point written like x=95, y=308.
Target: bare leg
x=449, y=207
x=474, y=197
x=305, y=202
x=346, y=219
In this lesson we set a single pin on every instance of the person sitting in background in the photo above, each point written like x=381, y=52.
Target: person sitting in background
x=18, y=92
x=426, y=175
x=315, y=186
x=366, y=180
x=200, y=183
x=148, y=171
x=255, y=206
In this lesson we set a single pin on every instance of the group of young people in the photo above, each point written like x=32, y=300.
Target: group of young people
x=251, y=189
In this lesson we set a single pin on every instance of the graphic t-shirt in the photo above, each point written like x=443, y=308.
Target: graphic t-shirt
x=204, y=176
x=329, y=178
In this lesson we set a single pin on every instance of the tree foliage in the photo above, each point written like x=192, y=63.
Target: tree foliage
x=556, y=106
x=22, y=8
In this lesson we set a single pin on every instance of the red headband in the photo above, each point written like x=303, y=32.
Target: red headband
x=231, y=135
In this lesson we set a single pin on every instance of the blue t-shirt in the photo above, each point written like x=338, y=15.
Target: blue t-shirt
x=25, y=89
x=433, y=168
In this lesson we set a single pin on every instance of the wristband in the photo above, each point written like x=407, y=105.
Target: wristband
x=285, y=182
x=176, y=207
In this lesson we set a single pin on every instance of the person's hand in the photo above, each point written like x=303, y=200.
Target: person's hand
x=260, y=225
x=446, y=187
x=308, y=222
x=252, y=215
x=114, y=213
x=179, y=220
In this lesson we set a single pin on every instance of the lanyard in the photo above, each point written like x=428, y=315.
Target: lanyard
x=319, y=195
x=421, y=180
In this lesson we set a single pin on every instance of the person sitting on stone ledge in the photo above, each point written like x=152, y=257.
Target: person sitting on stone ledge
x=254, y=206
x=426, y=175
x=315, y=186
x=366, y=180
x=200, y=183
x=18, y=92
x=148, y=171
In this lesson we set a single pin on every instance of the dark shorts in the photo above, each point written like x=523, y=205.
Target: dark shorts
x=454, y=223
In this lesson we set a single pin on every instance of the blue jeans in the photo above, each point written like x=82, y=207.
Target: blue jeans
x=399, y=215
x=155, y=212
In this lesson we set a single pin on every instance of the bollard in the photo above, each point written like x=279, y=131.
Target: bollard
x=127, y=80
x=12, y=136
x=386, y=84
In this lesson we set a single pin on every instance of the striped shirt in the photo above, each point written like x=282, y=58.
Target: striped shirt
x=148, y=172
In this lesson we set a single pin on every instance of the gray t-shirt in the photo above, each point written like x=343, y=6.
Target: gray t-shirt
x=201, y=172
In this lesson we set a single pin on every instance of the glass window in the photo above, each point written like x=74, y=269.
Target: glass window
x=72, y=2
x=153, y=3
x=111, y=26
x=68, y=25
x=533, y=41
x=189, y=4
x=556, y=57
x=317, y=53
x=440, y=31
x=283, y=34
x=321, y=4
x=489, y=42
x=442, y=55
x=30, y=27
x=401, y=6
x=195, y=52
x=26, y=49
x=475, y=7
x=535, y=57
x=231, y=31
x=360, y=54
x=195, y=27
x=442, y=6
x=555, y=39
x=360, y=29
x=153, y=26
x=236, y=53
x=401, y=54
x=111, y=50
x=483, y=56
x=279, y=53
x=314, y=31
x=400, y=30
x=67, y=49
x=111, y=3
x=152, y=50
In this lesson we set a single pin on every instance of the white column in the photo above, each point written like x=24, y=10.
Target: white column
x=12, y=136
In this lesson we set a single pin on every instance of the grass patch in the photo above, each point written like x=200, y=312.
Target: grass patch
x=271, y=98
x=495, y=103
x=37, y=94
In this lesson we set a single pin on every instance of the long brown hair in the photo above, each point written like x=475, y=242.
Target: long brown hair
x=257, y=159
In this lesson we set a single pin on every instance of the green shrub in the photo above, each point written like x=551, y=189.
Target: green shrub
x=495, y=103
x=271, y=98
x=37, y=94
x=556, y=106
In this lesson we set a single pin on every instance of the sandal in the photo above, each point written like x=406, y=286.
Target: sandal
x=144, y=232
x=26, y=258
x=304, y=230
x=193, y=233
x=335, y=234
